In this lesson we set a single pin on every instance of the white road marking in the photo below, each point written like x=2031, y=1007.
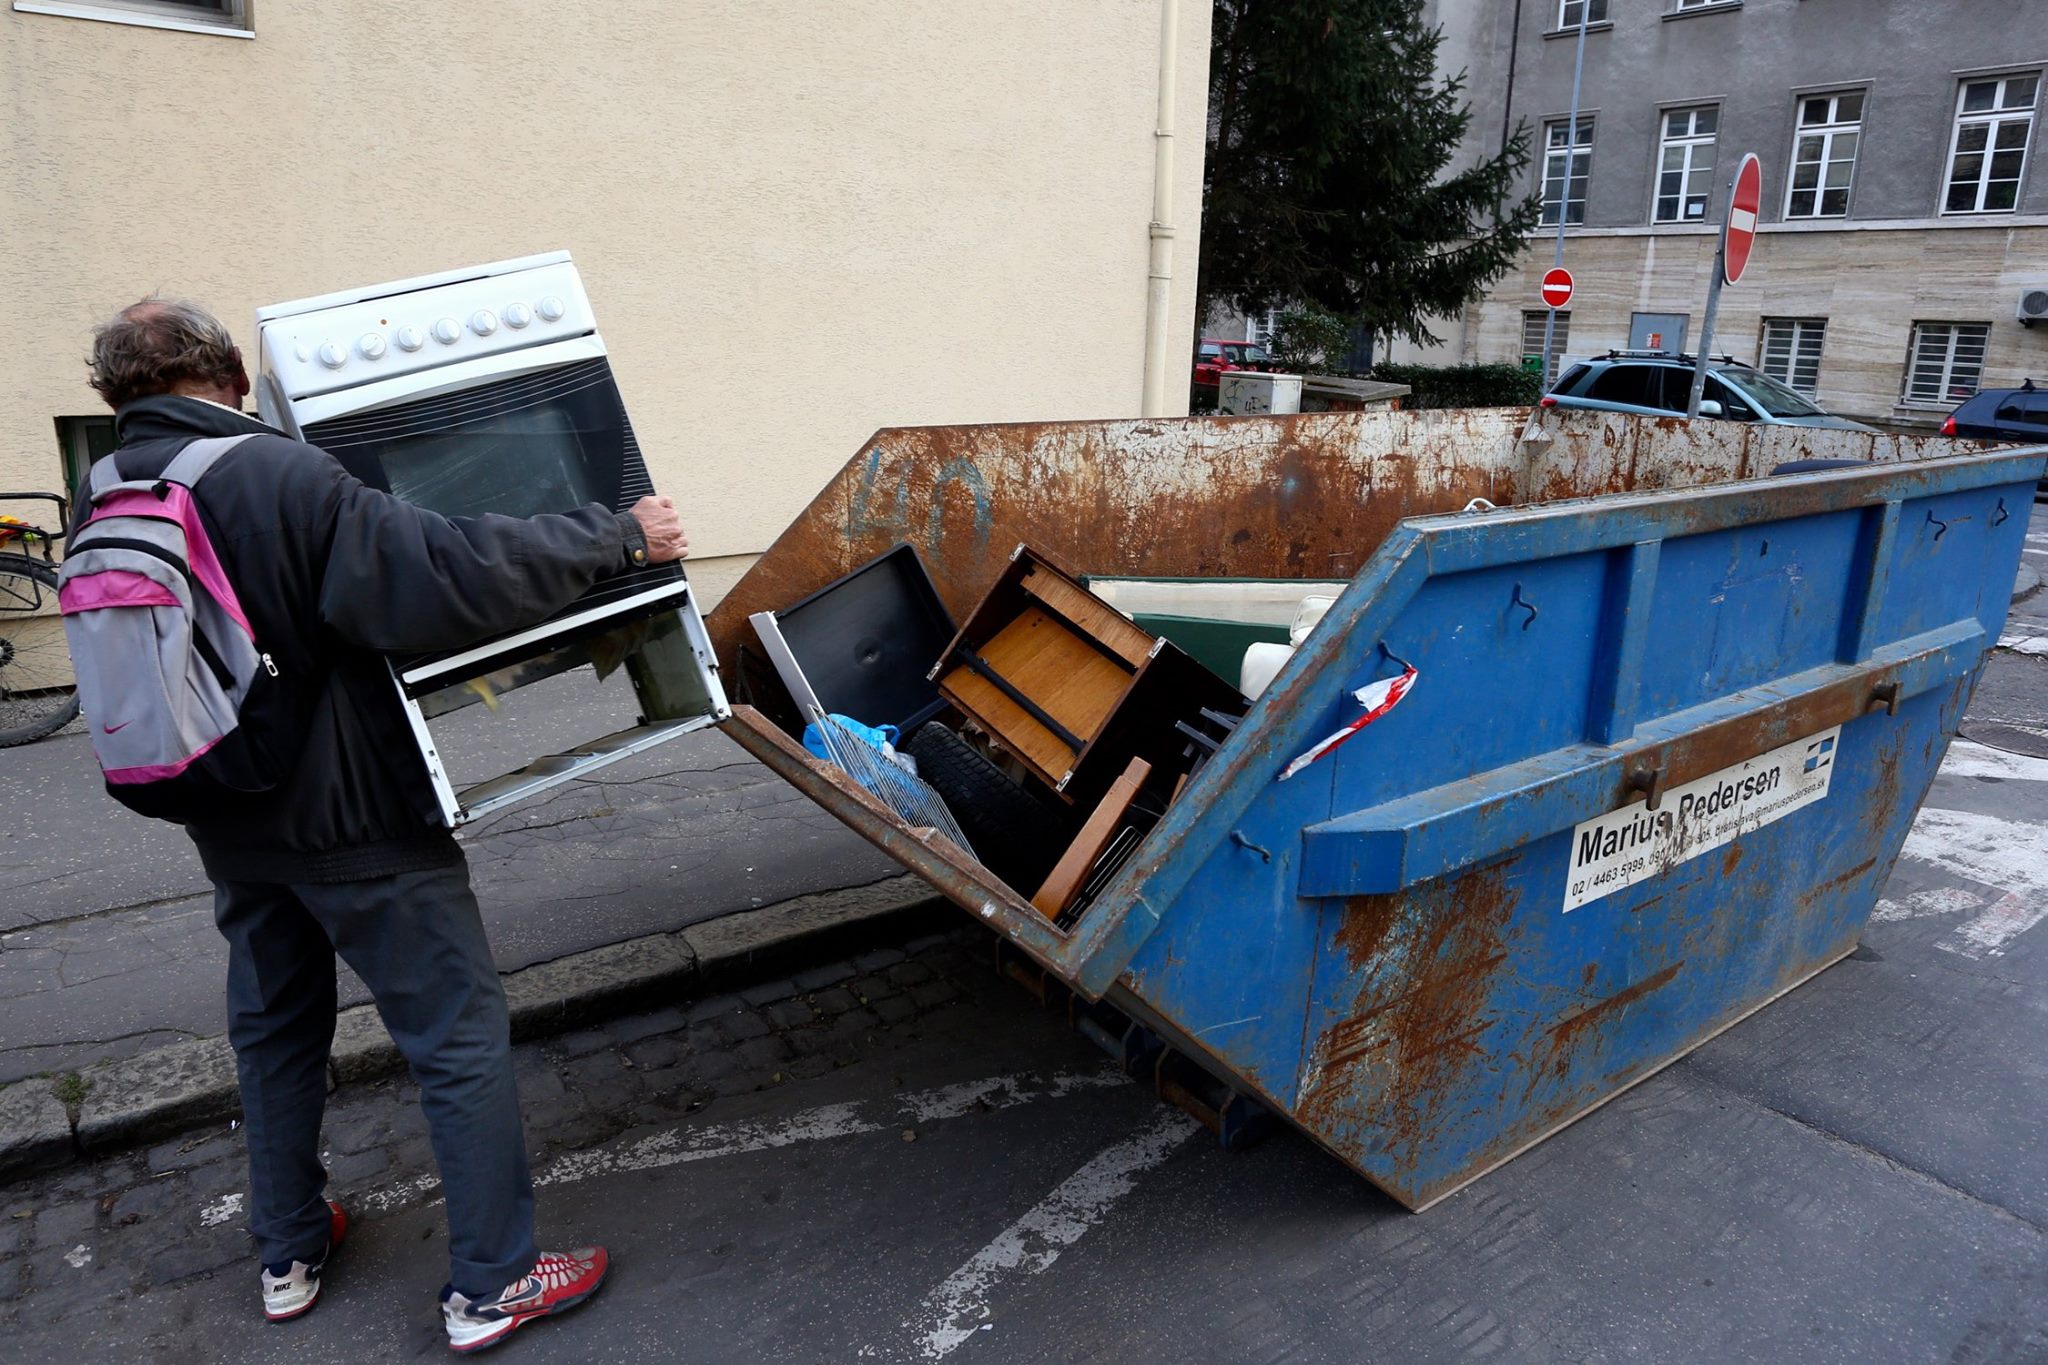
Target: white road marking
x=79, y=1257
x=1989, y=933
x=1941, y=900
x=2022, y=642
x=220, y=1210
x=2004, y=854
x=685, y=1144
x=679, y=1145
x=958, y=1308
x=1966, y=759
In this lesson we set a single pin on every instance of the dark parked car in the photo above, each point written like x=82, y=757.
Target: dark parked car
x=2019, y=414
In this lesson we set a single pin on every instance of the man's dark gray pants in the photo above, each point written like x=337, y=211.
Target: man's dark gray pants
x=417, y=941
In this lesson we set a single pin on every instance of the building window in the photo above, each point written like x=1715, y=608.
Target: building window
x=1994, y=119
x=1569, y=12
x=1790, y=351
x=80, y=442
x=1685, y=165
x=1684, y=5
x=1824, y=155
x=1567, y=161
x=1533, y=322
x=1946, y=362
x=1261, y=328
x=204, y=16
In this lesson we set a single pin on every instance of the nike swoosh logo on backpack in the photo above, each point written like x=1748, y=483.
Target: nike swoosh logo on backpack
x=109, y=729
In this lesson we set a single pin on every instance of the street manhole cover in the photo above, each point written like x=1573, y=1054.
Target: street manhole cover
x=2030, y=740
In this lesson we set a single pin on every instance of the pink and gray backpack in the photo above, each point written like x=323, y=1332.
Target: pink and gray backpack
x=169, y=669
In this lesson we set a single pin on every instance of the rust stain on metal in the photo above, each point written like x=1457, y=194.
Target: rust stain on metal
x=1836, y=882
x=1726, y=743
x=1427, y=967
x=1566, y=1031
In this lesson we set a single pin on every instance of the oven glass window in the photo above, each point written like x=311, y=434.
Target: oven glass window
x=545, y=442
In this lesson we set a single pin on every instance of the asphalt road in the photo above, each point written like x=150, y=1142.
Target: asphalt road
x=1857, y=1173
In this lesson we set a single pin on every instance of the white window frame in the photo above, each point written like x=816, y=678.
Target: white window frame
x=1575, y=160
x=1948, y=345
x=1690, y=165
x=1259, y=328
x=228, y=18
x=1533, y=323
x=1830, y=134
x=1992, y=120
x=1688, y=6
x=1794, y=352
x=1568, y=19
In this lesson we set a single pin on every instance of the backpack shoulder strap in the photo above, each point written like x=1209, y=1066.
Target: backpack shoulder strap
x=191, y=463
x=186, y=468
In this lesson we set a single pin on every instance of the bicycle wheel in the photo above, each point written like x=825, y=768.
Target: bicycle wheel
x=36, y=693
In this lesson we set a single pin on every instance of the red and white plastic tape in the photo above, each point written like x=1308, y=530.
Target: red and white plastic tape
x=1377, y=698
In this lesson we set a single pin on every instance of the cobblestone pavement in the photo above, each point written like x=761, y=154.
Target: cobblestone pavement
x=136, y=1228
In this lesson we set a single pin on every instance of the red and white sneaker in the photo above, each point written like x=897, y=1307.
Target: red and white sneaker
x=290, y=1290
x=558, y=1282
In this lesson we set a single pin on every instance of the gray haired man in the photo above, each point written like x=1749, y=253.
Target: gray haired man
x=347, y=856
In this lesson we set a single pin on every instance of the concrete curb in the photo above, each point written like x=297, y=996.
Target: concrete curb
x=2025, y=581
x=48, y=1122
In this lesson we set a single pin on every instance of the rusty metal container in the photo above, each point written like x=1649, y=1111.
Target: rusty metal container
x=1671, y=721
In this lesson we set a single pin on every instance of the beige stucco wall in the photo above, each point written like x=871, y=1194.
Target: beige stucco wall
x=798, y=221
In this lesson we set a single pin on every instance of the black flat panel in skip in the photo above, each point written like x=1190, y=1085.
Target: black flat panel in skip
x=867, y=641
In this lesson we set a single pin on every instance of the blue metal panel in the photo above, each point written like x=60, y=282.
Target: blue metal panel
x=1381, y=948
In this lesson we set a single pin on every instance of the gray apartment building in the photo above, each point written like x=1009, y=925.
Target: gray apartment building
x=1902, y=258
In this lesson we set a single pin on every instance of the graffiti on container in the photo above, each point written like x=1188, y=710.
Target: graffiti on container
x=890, y=515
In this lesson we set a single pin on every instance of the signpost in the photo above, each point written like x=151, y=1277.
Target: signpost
x=1731, y=258
x=1564, y=203
x=1557, y=287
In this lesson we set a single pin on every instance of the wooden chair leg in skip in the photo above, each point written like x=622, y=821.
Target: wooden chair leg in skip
x=1071, y=872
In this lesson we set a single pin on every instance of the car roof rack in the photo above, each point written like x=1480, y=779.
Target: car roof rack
x=1680, y=356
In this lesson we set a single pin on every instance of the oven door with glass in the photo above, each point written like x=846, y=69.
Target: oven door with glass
x=523, y=434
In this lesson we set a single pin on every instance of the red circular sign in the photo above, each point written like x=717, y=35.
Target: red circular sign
x=1557, y=287
x=1743, y=203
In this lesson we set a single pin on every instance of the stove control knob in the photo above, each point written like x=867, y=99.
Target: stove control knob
x=333, y=355
x=448, y=331
x=517, y=315
x=371, y=344
x=303, y=352
x=410, y=338
x=483, y=322
x=551, y=309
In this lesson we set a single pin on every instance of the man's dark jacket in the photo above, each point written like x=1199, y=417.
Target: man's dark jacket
x=333, y=575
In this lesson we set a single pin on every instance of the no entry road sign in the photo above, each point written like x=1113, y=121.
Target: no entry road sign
x=1557, y=287
x=1743, y=202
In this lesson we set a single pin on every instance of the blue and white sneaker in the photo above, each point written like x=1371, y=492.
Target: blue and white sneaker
x=558, y=1282
x=290, y=1290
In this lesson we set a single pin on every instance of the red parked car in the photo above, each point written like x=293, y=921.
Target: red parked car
x=1215, y=355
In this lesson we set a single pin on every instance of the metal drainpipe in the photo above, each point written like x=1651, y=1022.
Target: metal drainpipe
x=1159, y=278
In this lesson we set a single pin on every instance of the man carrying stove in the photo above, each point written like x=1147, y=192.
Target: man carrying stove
x=346, y=855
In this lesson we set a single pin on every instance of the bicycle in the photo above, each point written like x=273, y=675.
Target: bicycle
x=37, y=696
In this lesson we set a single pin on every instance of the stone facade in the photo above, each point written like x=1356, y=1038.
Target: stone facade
x=1891, y=259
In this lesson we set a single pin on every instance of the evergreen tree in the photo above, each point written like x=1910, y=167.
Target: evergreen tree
x=1329, y=135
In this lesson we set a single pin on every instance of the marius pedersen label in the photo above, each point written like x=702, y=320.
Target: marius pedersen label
x=1623, y=847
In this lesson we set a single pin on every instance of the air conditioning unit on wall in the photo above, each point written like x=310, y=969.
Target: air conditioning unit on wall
x=2033, y=306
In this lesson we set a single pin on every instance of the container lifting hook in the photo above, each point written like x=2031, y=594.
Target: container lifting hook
x=1519, y=601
